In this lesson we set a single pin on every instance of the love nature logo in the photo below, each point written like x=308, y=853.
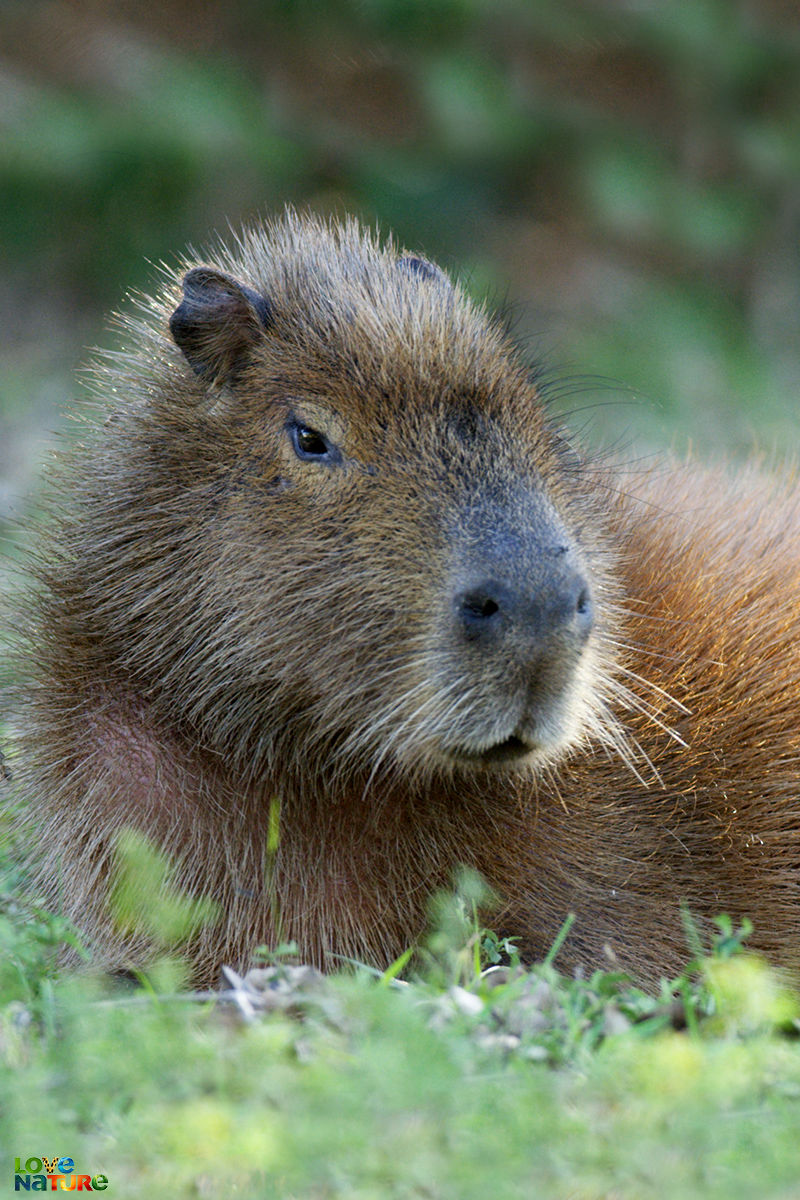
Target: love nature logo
x=51, y=1174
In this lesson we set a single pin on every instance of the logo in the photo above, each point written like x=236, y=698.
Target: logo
x=54, y=1174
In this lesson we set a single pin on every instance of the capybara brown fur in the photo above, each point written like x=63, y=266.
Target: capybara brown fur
x=328, y=551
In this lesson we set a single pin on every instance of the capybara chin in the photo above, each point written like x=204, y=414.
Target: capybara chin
x=329, y=551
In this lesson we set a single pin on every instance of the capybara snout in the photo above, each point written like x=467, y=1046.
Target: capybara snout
x=489, y=610
x=522, y=616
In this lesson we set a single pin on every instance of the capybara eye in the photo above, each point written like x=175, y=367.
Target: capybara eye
x=308, y=444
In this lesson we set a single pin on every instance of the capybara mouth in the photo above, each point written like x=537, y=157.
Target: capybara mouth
x=509, y=750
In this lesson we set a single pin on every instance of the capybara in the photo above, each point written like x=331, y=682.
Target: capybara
x=329, y=552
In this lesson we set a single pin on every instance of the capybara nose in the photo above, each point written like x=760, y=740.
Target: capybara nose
x=488, y=610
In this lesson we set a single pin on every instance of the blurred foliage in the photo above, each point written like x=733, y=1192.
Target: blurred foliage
x=624, y=173
x=439, y=1088
x=144, y=898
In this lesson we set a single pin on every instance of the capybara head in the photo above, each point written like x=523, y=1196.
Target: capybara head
x=357, y=536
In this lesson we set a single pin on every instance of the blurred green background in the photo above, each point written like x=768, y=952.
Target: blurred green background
x=623, y=176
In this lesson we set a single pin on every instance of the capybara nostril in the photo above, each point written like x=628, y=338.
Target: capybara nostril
x=480, y=611
x=533, y=611
x=583, y=610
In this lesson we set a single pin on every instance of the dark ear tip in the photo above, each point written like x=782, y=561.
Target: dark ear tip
x=204, y=285
x=416, y=265
x=198, y=277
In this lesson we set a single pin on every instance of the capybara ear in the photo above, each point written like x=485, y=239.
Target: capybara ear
x=423, y=267
x=217, y=323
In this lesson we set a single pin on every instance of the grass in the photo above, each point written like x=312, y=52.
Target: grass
x=474, y=1077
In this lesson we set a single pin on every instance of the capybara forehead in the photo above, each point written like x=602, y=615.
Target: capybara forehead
x=382, y=327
